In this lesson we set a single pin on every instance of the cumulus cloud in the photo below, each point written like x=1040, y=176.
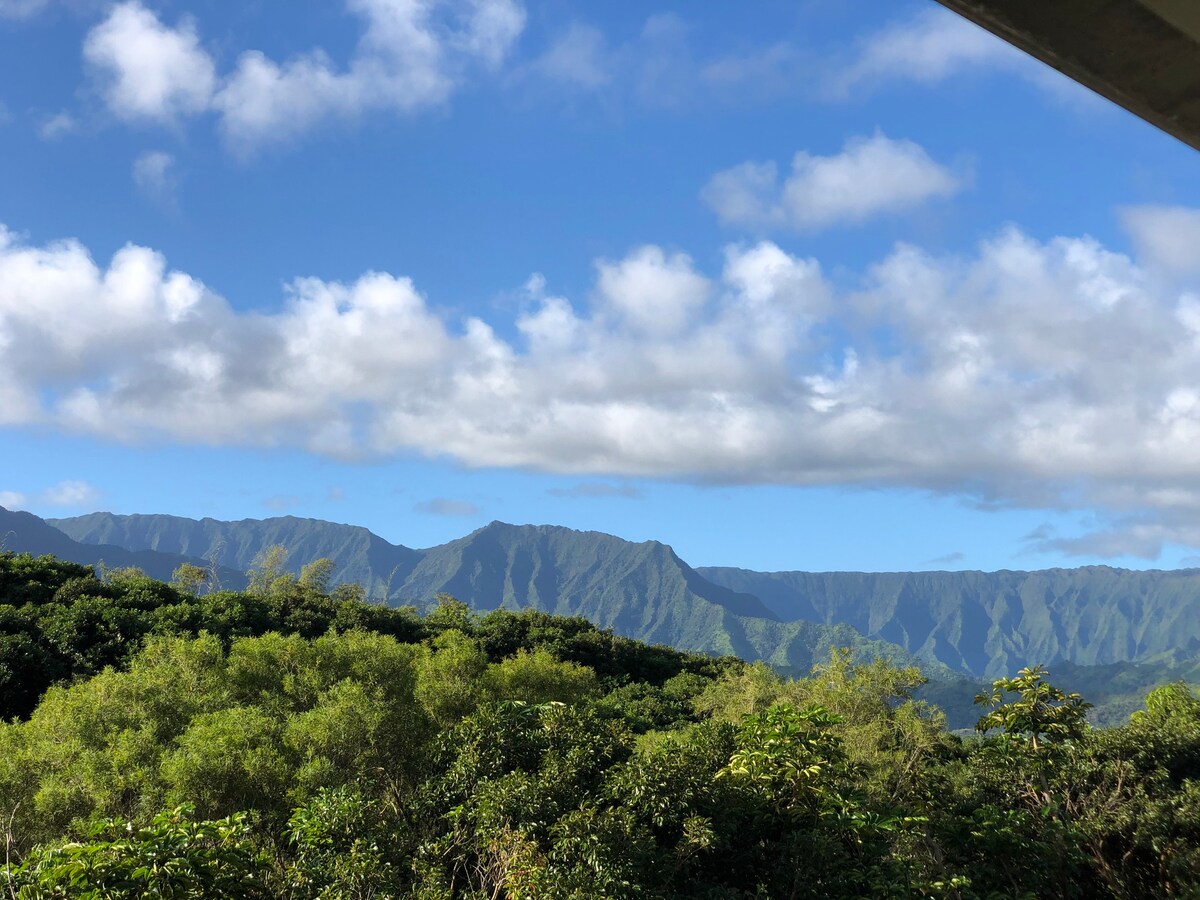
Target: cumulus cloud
x=442, y=506
x=411, y=56
x=869, y=177
x=147, y=70
x=70, y=493
x=65, y=493
x=651, y=292
x=12, y=499
x=1050, y=374
x=1166, y=236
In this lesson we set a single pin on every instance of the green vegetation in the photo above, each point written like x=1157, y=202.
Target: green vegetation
x=644, y=591
x=987, y=624
x=1123, y=631
x=295, y=741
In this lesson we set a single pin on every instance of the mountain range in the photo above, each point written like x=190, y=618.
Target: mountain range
x=640, y=590
x=22, y=532
x=1113, y=629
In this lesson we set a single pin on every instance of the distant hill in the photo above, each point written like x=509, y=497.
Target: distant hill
x=359, y=554
x=979, y=625
x=992, y=623
x=644, y=591
x=22, y=532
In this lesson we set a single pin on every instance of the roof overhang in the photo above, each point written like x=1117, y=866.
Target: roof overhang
x=1141, y=54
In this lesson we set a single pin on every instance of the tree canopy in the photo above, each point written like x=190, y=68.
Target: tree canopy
x=294, y=742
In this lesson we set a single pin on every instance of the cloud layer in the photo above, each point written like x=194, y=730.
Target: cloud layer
x=1046, y=374
x=411, y=56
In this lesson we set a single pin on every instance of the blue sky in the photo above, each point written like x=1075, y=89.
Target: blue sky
x=816, y=285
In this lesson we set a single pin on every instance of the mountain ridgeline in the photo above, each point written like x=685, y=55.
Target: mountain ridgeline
x=644, y=591
x=990, y=623
x=22, y=532
x=975, y=624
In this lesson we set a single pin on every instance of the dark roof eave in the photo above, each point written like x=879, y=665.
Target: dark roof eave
x=1121, y=49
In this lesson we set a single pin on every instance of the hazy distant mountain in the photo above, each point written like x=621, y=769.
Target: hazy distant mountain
x=359, y=554
x=980, y=624
x=22, y=532
x=991, y=623
x=640, y=590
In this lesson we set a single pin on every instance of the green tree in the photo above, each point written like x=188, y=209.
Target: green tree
x=315, y=576
x=1041, y=713
x=538, y=677
x=340, y=845
x=189, y=578
x=268, y=570
x=450, y=612
x=173, y=856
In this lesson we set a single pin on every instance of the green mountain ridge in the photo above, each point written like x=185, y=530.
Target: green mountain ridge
x=22, y=532
x=986, y=624
x=360, y=555
x=1113, y=631
x=644, y=591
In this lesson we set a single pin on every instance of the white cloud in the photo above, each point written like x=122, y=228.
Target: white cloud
x=1165, y=236
x=411, y=56
x=70, y=493
x=149, y=71
x=928, y=48
x=870, y=177
x=153, y=173
x=65, y=493
x=12, y=500
x=1040, y=373
x=936, y=45
x=651, y=292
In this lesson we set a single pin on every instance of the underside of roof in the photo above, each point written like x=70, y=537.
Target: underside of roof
x=1141, y=54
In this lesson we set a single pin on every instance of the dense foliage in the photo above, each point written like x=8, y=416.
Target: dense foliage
x=292, y=741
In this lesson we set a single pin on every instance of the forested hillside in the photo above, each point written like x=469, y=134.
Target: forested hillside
x=23, y=532
x=360, y=556
x=987, y=623
x=295, y=741
x=977, y=624
x=640, y=590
